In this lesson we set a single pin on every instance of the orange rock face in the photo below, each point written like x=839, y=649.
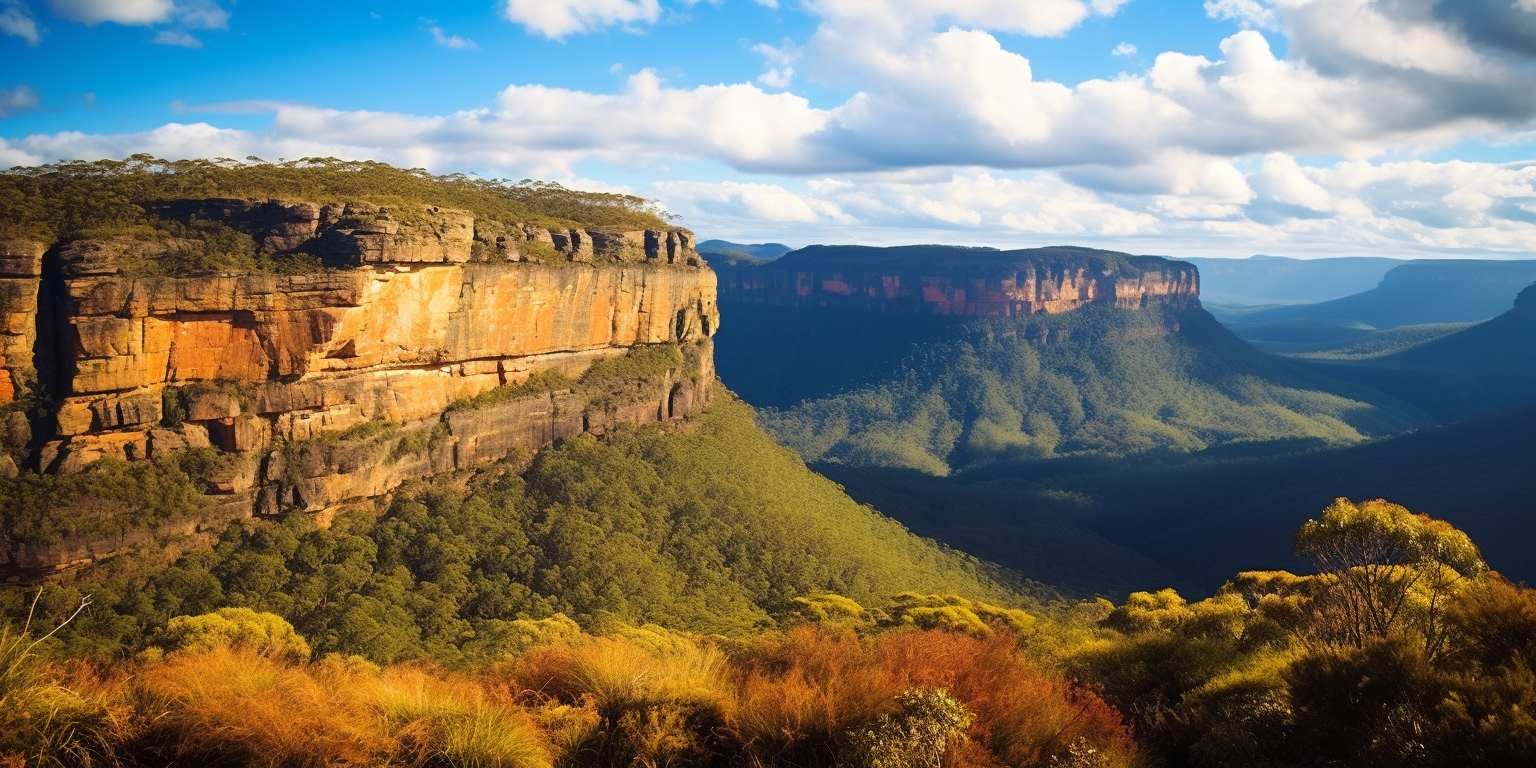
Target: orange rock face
x=420, y=311
x=962, y=281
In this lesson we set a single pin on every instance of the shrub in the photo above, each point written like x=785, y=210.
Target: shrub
x=264, y=634
x=43, y=722
x=236, y=706
x=621, y=674
x=439, y=717
x=915, y=736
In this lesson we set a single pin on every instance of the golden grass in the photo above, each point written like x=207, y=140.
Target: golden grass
x=645, y=697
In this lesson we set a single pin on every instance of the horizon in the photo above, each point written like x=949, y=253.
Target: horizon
x=1297, y=128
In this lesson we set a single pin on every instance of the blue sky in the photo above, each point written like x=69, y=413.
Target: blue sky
x=1225, y=127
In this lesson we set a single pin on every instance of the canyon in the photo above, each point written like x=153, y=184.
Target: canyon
x=427, y=342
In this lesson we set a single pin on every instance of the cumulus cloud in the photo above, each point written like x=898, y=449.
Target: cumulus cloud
x=1123, y=49
x=732, y=200
x=16, y=20
x=942, y=127
x=1249, y=13
x=781, y=64
x=556, y=19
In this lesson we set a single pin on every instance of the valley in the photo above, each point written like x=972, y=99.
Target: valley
x=537, y=481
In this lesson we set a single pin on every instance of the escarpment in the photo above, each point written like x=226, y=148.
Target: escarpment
x=390, y=344
x=961, y=282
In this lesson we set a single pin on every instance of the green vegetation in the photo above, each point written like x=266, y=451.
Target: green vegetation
x=1370, y=344
x=108, y=499
x=1109, y=382
x=1399, y=649
x=604, y=378
x=711, y=527
x=1091, y=525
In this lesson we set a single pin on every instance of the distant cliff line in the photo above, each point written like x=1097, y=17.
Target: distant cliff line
x=961, y=282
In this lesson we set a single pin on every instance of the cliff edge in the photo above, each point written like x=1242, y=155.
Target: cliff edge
x=963, y=282
x=395, y=343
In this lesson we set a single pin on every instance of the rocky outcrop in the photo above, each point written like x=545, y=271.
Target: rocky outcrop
x=21, y=269
x=964, y=282
x=407, y=356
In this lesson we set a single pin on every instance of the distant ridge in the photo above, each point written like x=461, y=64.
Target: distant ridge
x=749, y=252
x=1261, y=280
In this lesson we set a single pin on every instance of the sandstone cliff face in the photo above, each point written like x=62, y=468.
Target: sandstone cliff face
x=961, y=281
x=325, y=388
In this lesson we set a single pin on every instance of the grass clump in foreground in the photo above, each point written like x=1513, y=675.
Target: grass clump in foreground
x=811, y=695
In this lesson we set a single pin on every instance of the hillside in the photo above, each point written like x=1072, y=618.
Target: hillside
x=400, y=425
x=936, y=358
x=1106, y=525
x=1415, y=293
x=1261, y=280
x=1486, y=366
x=710, y=528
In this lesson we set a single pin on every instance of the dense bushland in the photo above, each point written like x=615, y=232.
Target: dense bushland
x=1399, y=649
x=1097, y=381
x=812, y=695
x=707, y=527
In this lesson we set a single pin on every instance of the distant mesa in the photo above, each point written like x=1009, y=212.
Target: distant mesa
x=962, y=282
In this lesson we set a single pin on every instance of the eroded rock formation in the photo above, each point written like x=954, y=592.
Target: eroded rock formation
x=335, y=385
x=967, y=282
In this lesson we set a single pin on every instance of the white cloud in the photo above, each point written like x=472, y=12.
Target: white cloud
x=1123, y=49
x=747, y=201
x=201, y=14
x=451, y=41
x=19, y=99
x=134, y=12
x=781, y=65
x=16, y=20
x=1249, y=13
x=559, y=18
x=176, y=38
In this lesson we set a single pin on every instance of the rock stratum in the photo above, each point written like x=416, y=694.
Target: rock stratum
x=429, y=342
x=961, y=282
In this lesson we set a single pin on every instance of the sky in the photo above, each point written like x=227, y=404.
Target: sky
x=1225, y=127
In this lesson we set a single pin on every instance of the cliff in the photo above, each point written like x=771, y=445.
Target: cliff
x=418, y=340
x=963, y=282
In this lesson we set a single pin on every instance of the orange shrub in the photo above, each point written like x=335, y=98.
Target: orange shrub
x=801, y=693
x=227, y=706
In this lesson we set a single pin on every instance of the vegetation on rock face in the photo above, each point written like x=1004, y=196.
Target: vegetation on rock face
x=107, y=499
x=708, y=527
x=79, y=198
